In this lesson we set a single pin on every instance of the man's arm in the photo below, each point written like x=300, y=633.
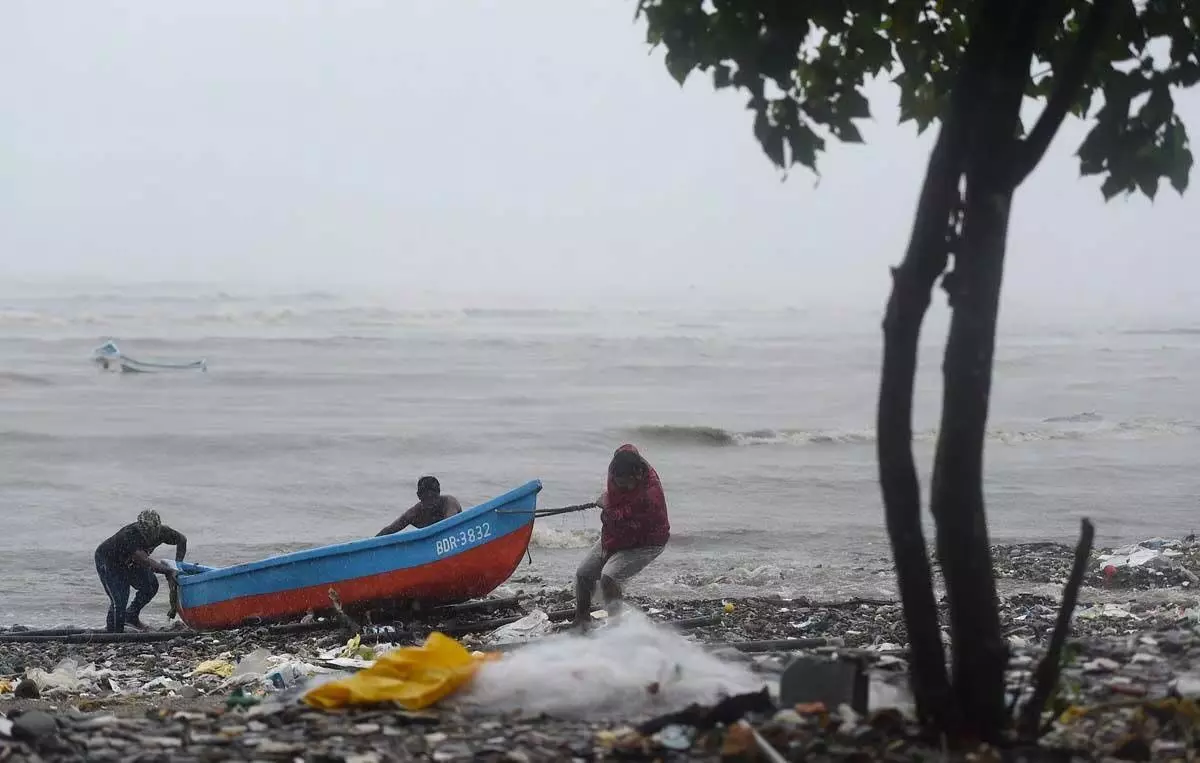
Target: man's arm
x=403, y=521
x=452, y=506
x=142, y=558
x=178, y=540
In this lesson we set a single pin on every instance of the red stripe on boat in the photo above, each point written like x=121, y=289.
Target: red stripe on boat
x=470, y=574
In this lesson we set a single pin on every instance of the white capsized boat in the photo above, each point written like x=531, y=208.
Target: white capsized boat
x=110, y=358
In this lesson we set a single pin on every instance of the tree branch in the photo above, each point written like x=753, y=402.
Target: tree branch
x=1067, y=85
x=1048, y=669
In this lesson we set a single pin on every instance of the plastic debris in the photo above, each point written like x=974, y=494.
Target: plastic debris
x=219, y=668
x=162, y=682
x=354, y=649
x=675, y=737
x=534, y=625
x=607, y=673
x=63, y=678
x=6, y=686
x=253, y=664
x=415, y=677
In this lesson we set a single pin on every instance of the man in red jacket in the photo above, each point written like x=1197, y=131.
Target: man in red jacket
x=634, y=531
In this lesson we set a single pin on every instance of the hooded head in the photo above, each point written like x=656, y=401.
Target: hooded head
x=628, y=470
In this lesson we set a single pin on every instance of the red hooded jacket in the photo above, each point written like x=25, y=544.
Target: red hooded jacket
x=634, y=518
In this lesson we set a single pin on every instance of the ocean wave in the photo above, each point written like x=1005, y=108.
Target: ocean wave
x=1080, y=426
x=15, y=379
x=552, y=537
x=1170, y=331
x=751, y=577
x=715, y=436
x=1087, y=417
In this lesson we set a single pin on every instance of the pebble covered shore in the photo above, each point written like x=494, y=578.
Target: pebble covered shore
x=1130, y=658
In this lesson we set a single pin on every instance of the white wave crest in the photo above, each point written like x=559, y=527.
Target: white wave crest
x=554, y=537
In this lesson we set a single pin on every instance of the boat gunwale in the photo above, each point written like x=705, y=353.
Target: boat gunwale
x=533, y=487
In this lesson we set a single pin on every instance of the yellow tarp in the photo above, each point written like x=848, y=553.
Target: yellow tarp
x=414, y=676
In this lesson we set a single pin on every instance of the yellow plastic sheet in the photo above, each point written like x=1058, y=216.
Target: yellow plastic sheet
x=414, y=676
x=219, y=668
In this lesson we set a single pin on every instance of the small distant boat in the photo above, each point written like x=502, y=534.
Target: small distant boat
x=110, y=358
x=464, y=557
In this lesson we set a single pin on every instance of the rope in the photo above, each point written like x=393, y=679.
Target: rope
x=551, y=512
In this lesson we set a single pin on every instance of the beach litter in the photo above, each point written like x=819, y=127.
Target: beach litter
x=220, y=668
x=415, y=677
x=532, y=626
x=629, y=668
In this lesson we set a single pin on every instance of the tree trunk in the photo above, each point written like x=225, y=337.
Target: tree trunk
x=980, y=653
x=934, y=232
x=912, y=287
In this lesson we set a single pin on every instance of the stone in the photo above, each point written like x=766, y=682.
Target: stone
x=831, y=682
x=34, y=724
x=27, y=689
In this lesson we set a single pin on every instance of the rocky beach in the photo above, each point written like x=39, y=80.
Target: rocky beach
x=1126, y=692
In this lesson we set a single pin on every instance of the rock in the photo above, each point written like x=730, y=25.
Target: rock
x=1132, y=747
x=452, y=751
x=34, y=724
x=189, y=692
x=831, y=682
x=27, y=689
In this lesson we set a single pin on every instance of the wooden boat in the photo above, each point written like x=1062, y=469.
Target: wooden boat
x=466, y=556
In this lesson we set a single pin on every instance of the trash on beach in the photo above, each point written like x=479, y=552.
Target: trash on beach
x=1106, y=610
x=354, y=649
x=253, y=664
x=416, y=677
x=162, y=682
x=64, y=678
x=629, y=668
x=219, y=668
x=6, y=686
x=1156, y=557
x=533, y=625
x=269, y=672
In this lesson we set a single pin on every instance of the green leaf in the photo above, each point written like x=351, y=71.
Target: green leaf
x=1111, y=186
x=773, y=147
x=1159, y=108
x=679, y=66
x=805, y=144
x=848, y=133
x=1177, y=155
x=854, y=105
x=1147, y=182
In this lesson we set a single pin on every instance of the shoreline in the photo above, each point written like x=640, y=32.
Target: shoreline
x=1122, y=657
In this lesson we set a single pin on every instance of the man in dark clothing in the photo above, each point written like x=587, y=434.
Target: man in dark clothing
x=432, y=507
x=123, y=562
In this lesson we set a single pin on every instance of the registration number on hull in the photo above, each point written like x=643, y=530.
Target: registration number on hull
x=464, y=538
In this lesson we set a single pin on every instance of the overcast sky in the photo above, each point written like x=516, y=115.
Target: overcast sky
x=530, y=146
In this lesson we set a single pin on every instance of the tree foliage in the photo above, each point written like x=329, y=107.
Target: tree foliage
x=804, y=66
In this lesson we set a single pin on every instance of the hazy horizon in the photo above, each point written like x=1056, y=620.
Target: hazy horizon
x=471, y=154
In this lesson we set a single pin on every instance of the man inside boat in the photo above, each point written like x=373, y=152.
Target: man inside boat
x=634, y=531
x=124, y=562
x=431, y=507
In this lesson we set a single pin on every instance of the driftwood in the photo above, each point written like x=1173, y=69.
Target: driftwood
x=98, y=637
